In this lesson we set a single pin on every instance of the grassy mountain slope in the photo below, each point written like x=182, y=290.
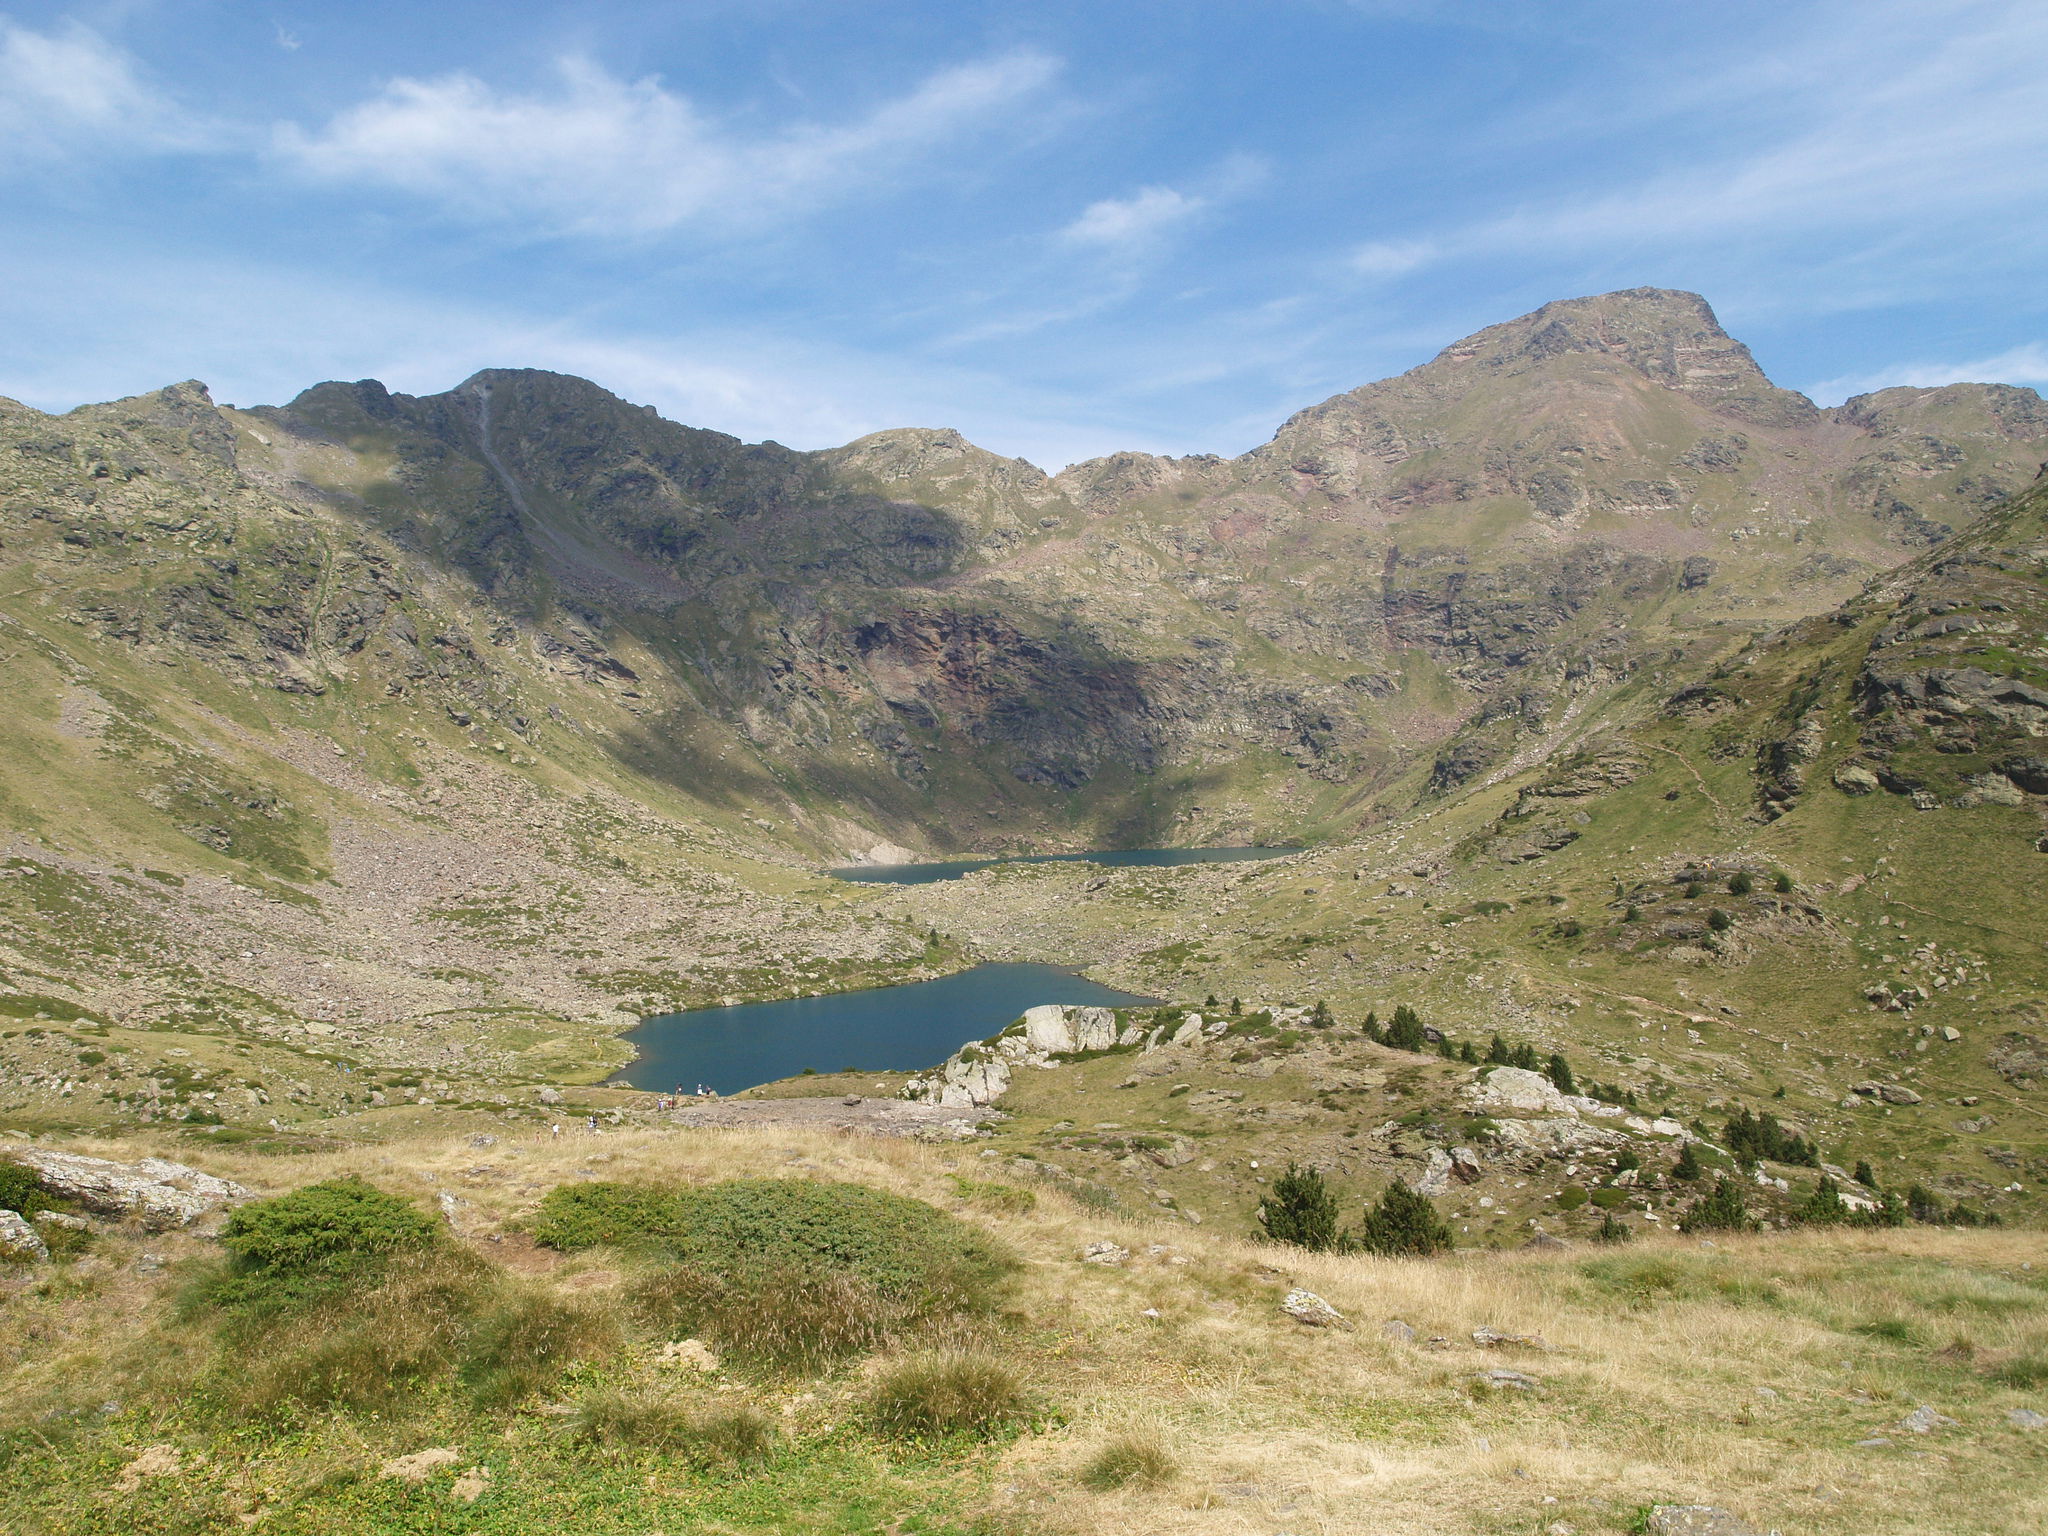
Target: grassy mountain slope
x=1168, y=1392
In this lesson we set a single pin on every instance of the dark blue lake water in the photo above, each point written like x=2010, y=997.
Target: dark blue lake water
x=884, y=1029
x=925, y=874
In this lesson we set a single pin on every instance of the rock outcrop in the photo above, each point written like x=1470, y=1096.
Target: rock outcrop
x=154, y=1192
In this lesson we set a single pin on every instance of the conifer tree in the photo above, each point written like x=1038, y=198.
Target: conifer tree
x=1687, y=1168
x=1865, y=1174
x=1497, y=1053
x=1403, y=1223
x=1559, y=1071
x=1614, y=1230
x=1721, y=1209
x=1825, y=1206
x=1404, y=1030
x=1301, y=1210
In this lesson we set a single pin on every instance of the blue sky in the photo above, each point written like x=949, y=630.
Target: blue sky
x=1065, y=228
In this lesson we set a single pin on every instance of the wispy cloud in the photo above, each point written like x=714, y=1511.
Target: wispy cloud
x=596, y=154
x=2026, y=364
x=69, y=90
x=1887, y=118
x=1129, y=223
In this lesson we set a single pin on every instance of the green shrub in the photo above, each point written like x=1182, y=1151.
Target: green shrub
x=21, y=1191
x=1741, y=883
x=1570, y=1198
x=789, y=1273
x=942, y=1395
x=1559, y=1071
x=1301, y=1210
x=1137, y=1458
x=1403, y=1223
x=338, y=1225
x=1610, y=1199
x=1825, y=1207
x=1687, y=1168
x=1719, y=921
x=1614, y=1230
x=1782, y=883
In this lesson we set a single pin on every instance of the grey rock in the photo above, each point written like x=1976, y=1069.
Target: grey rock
x=1400, y=1332
x=1892, y=1093
x=1496, y=1338
x=1105, y=1252
x=1308, y=1308
x=64, y=1219
x=19, y=1241
x=549, y=1095
x=1501, y=1379
x=1924, y=1421
x=2026, y=1418
x=157, y=1193
x=1697, y=1520
x=1851, y=779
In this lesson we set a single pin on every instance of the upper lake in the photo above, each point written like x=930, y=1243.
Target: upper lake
x=925, y=874
x=884, y=1029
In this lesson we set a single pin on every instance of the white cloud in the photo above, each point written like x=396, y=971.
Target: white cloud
x=1391, y=258
x=2027, y=364
x=601, y=155
x=1130, y=223
x=70, y=90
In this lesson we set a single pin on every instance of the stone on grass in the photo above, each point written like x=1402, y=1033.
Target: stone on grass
x=1697, y=1520
x=2026, y=1418
x=420, y=1465
x=1105, y=1252
x=1308, y=1308
x=1495, y=1338
x=1398, y=1331
x=1500, y=1379
x=1924, y=1421
x=19, y=1241
x=64, y=1219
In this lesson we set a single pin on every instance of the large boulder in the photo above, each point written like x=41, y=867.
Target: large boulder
x=1518, y=1091
x=157, y=1193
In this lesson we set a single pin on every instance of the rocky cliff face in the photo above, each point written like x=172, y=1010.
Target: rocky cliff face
x=1412, y=583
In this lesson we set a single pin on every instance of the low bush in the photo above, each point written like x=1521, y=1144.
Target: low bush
x=21, y=1191
x=1403, y=1223
x=294, y=1248
x=1134, y=1458
x=943, y=1395
x=787, y=1273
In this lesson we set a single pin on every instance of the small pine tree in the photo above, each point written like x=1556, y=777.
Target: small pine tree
x=1923, y=1205
x=1321, y=1016
x=1301, y=1210
x=1890, y=1212
x=1695, y=890
x=1404, y=1030
x=1719, y=921
x=1626, y=1160
x=1865, y=1174
x=1825, y=1206
x=1559, y=1072
x=1445, y=1049
x=1209, y=1001
x=1721, y=1209
x=1525, y=1058
x=1741, y=883
x=1782, y=883
x=1687, y=1168
x=1236, y=1006
x=1497, y=1053
x=1371, y=1029
x=1614, y=1230
x=1632, y=915
x=1467, y=1053
x=1403, y=1223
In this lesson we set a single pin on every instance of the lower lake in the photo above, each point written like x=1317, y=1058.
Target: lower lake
x=1123, y=858
x=885, y=1029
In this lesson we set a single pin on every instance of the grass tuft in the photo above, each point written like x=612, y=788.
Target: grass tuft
x=948, y=1394
x=1135, y=1458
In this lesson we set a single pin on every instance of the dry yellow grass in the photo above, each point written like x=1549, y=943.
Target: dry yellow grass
x=1650, y=1370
